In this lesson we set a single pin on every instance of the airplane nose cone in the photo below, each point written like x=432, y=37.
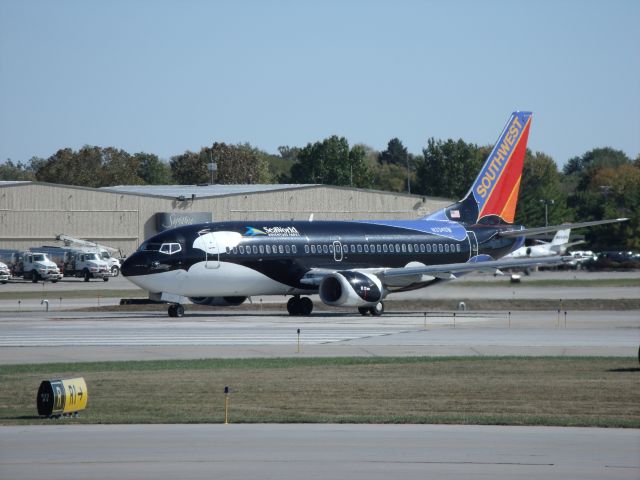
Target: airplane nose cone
x=135, y=265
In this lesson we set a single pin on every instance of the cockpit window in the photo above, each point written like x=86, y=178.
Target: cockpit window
x=170, y=248
x=149, y=247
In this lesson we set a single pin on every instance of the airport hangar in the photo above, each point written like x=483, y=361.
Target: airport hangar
x=33, y=213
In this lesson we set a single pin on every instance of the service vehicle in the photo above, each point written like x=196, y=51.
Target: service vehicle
x=78, y=263
x=5, y=275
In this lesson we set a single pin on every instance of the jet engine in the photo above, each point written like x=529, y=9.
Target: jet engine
x=351, y=289
x=218, y=301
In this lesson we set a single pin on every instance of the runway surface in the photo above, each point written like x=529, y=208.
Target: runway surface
x=77, y=336
x=316, y=452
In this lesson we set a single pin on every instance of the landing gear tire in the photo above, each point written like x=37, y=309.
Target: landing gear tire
x=306, y=306
x=176, y=310
x=297, y=306
x=364, y=311
x=377, y=310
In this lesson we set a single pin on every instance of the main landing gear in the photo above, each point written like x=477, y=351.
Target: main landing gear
x=375, y=311
x=176, y=310
x=297, y=306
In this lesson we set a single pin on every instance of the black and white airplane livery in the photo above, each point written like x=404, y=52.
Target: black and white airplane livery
x=356, y=263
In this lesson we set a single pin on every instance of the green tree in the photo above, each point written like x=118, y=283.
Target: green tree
x=152, y=170
x=19, y=171
x=83, y=167
x=240, y=164
x=91, y=166
x=331, y=162
x=236, y=164
x=447, y=168
x=604, y=183
x=189, y=168
x=119, y=168
x=395, y=153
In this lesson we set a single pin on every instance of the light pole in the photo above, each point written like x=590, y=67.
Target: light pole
x=546, y=202
x=408, y=177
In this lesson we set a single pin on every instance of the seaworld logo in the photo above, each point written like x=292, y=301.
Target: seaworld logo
x=272, y=232
x=252, y=232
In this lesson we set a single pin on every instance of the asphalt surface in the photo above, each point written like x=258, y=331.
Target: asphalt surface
x=316, y=452
x=76, y=336
x=28, y=334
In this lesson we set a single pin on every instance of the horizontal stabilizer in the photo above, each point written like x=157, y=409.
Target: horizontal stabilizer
x=530, y=232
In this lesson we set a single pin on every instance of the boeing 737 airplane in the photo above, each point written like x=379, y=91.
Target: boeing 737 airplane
x=356, y=263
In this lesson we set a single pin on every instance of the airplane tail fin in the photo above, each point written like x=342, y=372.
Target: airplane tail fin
x=561, y=237
x=494, y=193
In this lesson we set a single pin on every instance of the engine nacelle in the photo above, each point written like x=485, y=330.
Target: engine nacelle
x=351, y=289
x=218, y=301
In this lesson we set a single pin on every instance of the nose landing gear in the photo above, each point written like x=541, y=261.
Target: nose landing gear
x=375, y=311
x=297, y=306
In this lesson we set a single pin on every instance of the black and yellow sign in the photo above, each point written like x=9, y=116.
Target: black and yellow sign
x=59, y=397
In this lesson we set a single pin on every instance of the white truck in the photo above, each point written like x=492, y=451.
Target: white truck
x=4, y=273
x=104, y=252
x=78, y=263
x=37, y=266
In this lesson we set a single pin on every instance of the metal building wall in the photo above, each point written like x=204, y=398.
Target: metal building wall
x=31, y=214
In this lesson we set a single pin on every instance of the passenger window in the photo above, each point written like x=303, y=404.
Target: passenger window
x=261, y=248
x=280, y=249
x=306, y=249
x=366, y=248
x=313, y=249
x=391, y=248
x=422, y=248
x=287, y=248
x=458, y=247
x=446, y=247
x=235, y=250
x=255, y=250
x=241, y=250
x=268, y=249
x=440, y=247
x=331, y=248
x=359, y=247
x=325, y=249
x=319, y=249
x=294, y=249
x=353, y=248
x=410, y=247
x=428, y=248
x=345, y=249
x=397, y=247
x=385, y=249
x=379, y=248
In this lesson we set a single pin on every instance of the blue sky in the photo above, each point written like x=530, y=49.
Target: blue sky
x=168, y=76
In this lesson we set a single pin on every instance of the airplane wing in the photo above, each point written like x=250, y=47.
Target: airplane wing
x=530, y=232
x=449, y=270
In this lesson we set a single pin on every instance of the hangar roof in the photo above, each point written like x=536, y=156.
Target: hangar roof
x=202, y=191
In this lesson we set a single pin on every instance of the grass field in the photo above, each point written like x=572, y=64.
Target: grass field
x=599, y=391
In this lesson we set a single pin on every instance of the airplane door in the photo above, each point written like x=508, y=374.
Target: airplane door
x=212, y=253
x=337, y=251
x=473, y=244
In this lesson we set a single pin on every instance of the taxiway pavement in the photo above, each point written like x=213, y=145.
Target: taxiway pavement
x=316, y=451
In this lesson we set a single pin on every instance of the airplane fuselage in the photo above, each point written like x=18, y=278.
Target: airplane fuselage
x=273, y=257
